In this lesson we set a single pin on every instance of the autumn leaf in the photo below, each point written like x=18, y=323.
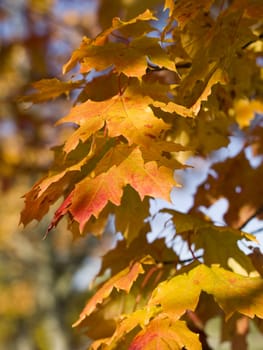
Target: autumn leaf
x=129, y=58
x=48, y=89
x=177, y=81
x=125, y=325
x=47, y=191
x=122, y=254
x=129, y=222
x=117, y=24
x=129, y=27
x=236, y=186
x=132, y=118
x=185, y=11
x=233, y=292
x=244, y=111
x=164, y=334
x=210, y=239
x=169, y=295
x=116, y=55
x=122, y=281
x=205, y=235
x=92, y=194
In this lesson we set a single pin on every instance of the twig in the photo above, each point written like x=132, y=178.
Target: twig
x=183, y=261
x=259, y=230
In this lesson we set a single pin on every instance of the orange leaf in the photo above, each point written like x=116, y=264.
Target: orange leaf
x=92, y=194
x=165, y=334
x=130, y=117
x=117, y=24
x=122, y=281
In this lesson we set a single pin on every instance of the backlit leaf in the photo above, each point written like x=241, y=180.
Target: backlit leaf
x=47, y=191
x=122, y=281
x=155, y=89
x=209, y=237
x=117, y=24
x=165, y=334
x=169, y=295
x=233, y=293
x=184, y=11
x=48, y=89
x=92, y=194
x=132, y=118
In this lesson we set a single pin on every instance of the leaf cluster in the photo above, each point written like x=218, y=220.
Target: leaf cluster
x=150, y=97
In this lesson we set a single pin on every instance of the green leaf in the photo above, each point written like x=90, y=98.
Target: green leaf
x=205, y=235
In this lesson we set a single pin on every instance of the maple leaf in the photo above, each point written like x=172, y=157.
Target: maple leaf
x=164, y=333
x=125, y=325
x=210, y=238
x=205, y=235
x=185, y=11
x=46, y=191
x=51, y=88
x=117, y=24
x=150, y=94
x=233, y=293
x=129, y=58
x=117, y=55
x=135, y=120
x=102, y=87
x=91, y=195
x=129, y=222
x=122, y=281
x=123, y=115
x=130, y=27
x=244, y=202
x=169, y=295
x=244, y=111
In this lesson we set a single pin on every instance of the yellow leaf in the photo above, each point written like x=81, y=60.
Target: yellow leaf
x=233, y=292
x=163, y=333
x=177, y=295
x=48, y=89
x=244, y=111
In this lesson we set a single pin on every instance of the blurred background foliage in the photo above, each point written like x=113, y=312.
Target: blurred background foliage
x=39, y=293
